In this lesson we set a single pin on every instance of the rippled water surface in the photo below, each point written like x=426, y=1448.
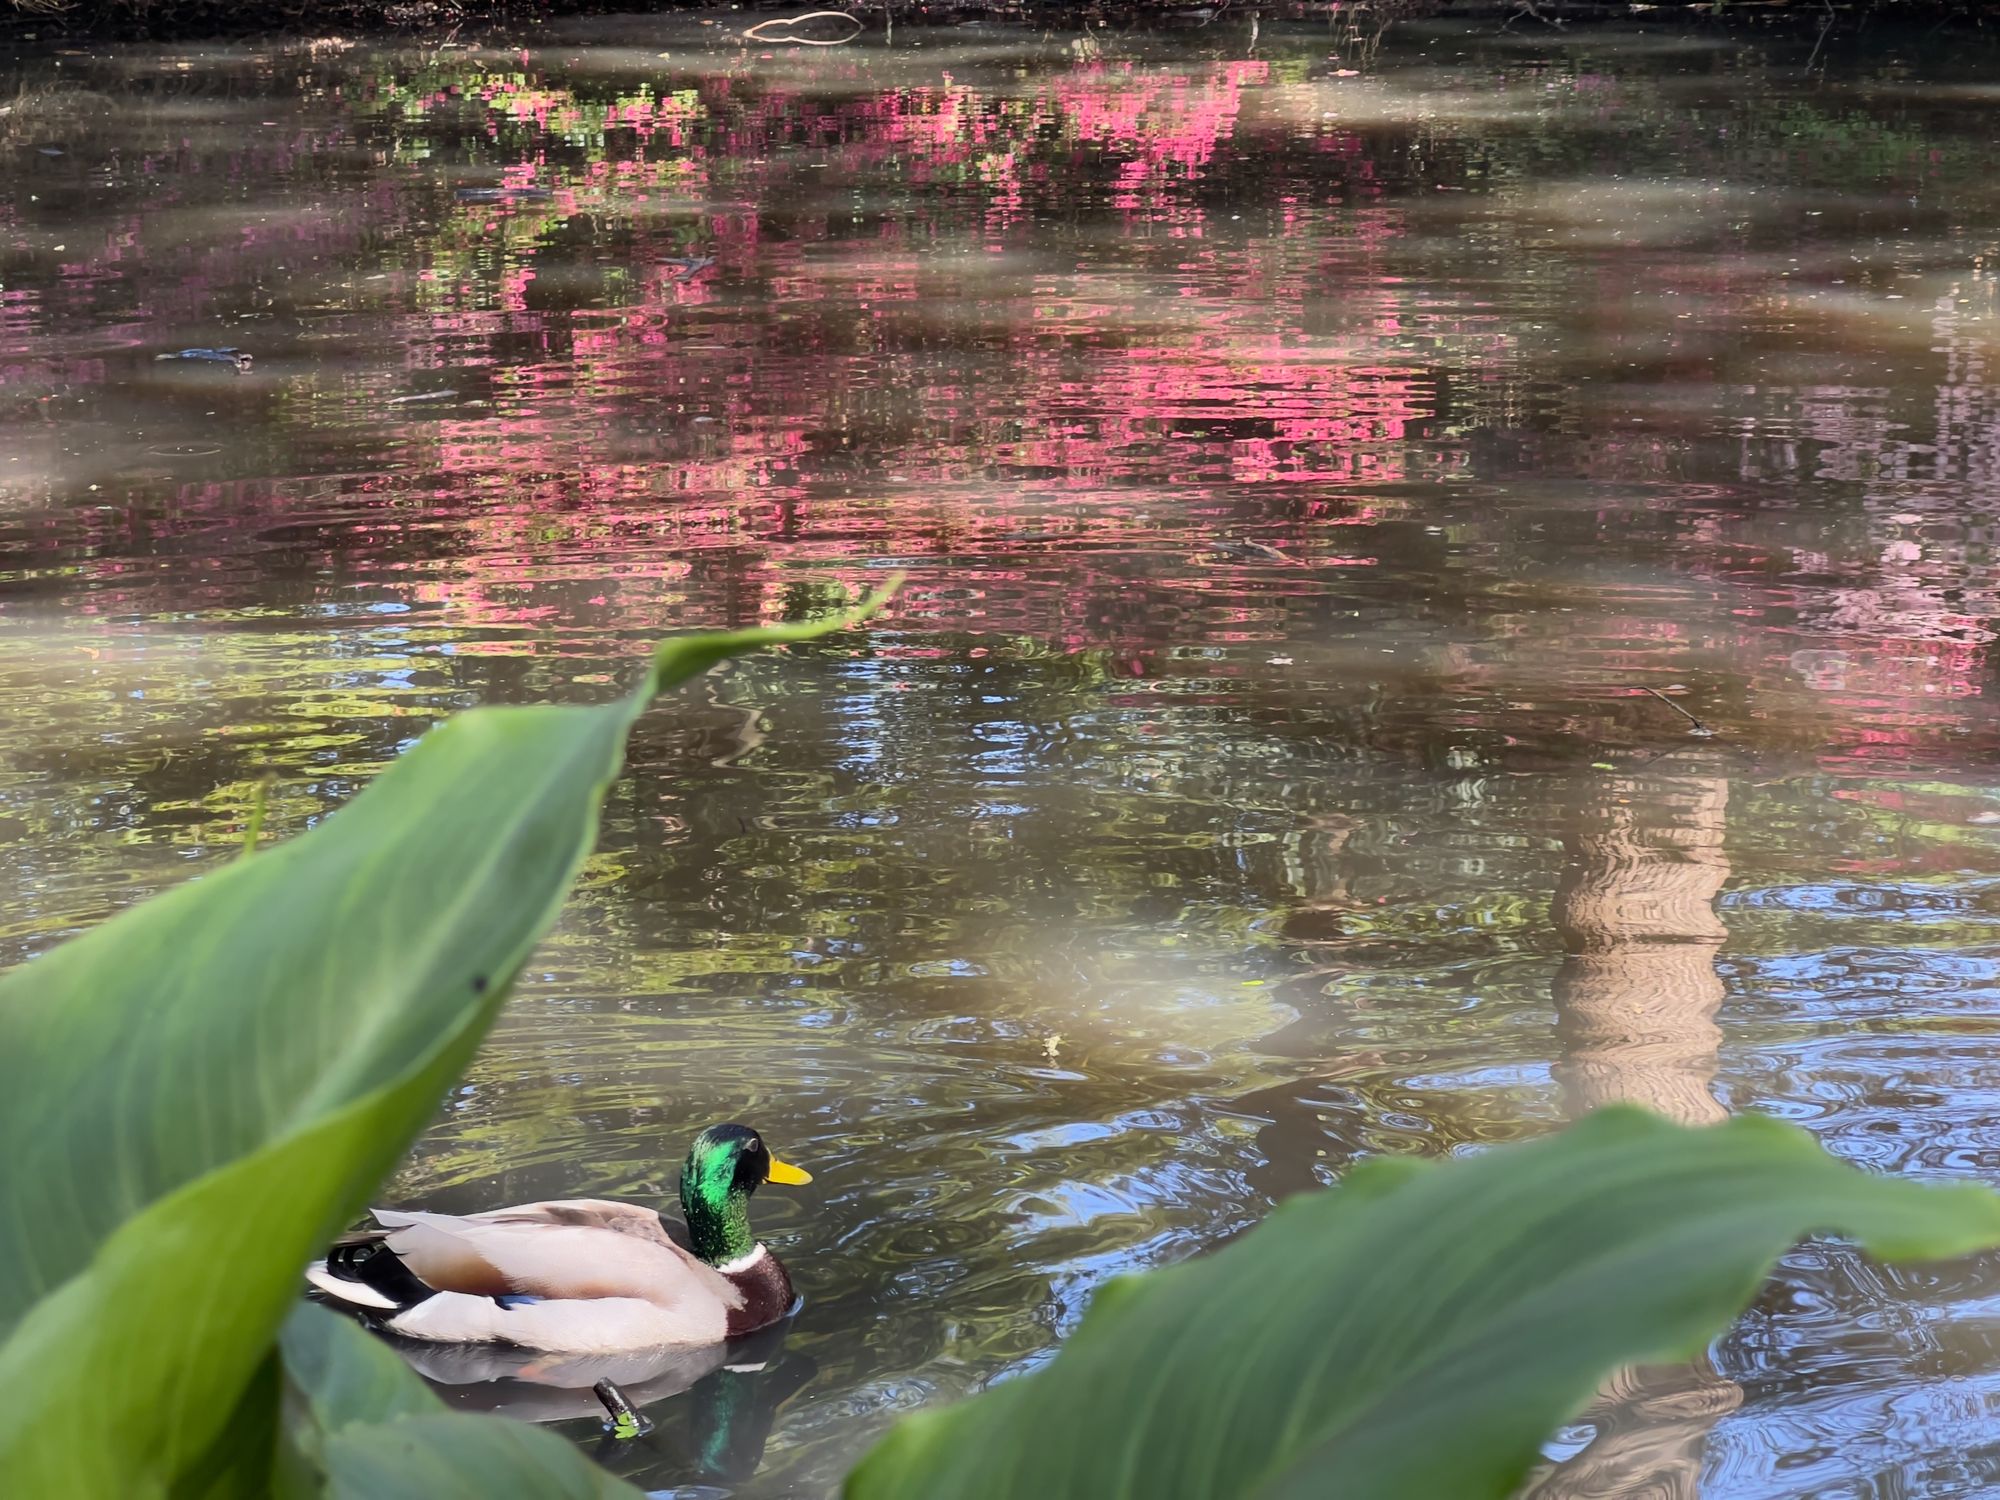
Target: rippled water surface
x=1304, y=463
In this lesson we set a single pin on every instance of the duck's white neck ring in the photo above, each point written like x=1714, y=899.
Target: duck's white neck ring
x=743, y=1263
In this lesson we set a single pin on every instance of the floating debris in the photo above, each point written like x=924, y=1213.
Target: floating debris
x=1824, y=670
x=420, y=396
x=231, y=356
x=1696, y=728
x=620, y=1420
x=1240, y=547
x=504, y=195
x=686, y=267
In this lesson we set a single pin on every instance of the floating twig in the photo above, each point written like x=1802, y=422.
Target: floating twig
x=761, y=32
x=1246, y=547
x=1699, y=728
x=1821, y=42
x=620, y=1421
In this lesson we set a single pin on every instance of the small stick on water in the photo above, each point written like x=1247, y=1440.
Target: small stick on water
x=620, y=1421
x=1822, y=36
x=1699, y=727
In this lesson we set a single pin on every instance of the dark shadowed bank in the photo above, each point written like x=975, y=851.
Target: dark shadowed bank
x=118, y=19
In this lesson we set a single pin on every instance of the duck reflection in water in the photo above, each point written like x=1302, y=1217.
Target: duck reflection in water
x=716, y=1434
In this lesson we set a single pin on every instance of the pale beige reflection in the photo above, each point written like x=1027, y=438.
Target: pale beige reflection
x=1636, y=999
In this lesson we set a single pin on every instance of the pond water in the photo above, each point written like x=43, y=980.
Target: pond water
x=1327, y=482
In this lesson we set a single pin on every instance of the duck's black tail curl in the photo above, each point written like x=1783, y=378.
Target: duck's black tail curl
x=363, y=1272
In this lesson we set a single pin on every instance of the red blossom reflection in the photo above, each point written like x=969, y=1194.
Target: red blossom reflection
x=561, y=358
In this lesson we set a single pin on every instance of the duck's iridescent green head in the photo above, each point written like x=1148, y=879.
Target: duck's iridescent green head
x=726, y=1164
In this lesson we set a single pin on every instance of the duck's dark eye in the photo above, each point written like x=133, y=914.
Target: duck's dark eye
x=754, y=1146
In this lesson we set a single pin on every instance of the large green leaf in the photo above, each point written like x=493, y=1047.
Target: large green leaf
x=368, y=1429
x=340, y=1375
x=1415, y=1333
x=197, y=1094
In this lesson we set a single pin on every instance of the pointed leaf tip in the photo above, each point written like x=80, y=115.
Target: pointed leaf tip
x=682, y=657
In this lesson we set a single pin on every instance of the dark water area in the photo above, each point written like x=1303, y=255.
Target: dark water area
x=1307, y=465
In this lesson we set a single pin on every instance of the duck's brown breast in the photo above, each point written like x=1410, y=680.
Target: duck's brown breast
x=766, y=1288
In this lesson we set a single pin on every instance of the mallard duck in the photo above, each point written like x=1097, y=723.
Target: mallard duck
x=578, y=1275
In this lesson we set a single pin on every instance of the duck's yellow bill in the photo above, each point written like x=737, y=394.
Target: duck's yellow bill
x=789, y=1175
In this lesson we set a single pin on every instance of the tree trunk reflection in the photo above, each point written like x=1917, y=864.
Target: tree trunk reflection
x=1637, y=992
x=1635, y=1001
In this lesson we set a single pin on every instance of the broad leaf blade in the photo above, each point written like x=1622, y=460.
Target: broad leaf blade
x=373, y=1431
x=199, y=1092
x=1418, y=1331
x=460, y=1456
x=341, y=1375
x=234, y=1009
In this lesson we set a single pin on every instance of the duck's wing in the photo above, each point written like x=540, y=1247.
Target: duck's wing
x=594, y=1213
x=567, y=1325
x=537, y=1255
